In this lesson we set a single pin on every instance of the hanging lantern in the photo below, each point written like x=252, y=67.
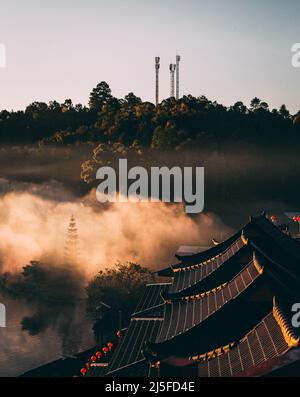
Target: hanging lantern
x=98, y=354
x=93, y=359
x=273, y=218
x=105, y=350
x=110, y=345
x=83, y=371
x=87, y=365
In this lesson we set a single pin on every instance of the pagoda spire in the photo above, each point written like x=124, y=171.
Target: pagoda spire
x=71, y=246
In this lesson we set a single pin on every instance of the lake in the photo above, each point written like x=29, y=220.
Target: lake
x=52, y=332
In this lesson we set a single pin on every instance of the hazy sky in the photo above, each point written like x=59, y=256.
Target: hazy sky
x=231, y=49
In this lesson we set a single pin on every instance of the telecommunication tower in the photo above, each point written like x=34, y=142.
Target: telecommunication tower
x=157, y=66
x=177, y=76
x=172, y=80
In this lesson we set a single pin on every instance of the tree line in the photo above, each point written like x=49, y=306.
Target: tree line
x=186, y=122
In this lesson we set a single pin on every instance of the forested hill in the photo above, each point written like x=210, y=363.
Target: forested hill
x=188, y=121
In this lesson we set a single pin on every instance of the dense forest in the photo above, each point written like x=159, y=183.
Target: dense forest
x=110, y=128
x=188, y=121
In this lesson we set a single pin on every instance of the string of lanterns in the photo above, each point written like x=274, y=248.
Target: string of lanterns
x=296, y=219
x=105, y=350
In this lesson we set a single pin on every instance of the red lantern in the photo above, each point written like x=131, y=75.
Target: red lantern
x=98, y=354
x=110, y=345
x=93, y=359
x=87, y=365
x=105, y=350
x=83, y=371
x=273, y=218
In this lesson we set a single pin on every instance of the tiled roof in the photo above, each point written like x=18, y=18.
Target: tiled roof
x=268, y=340
x=151, y=298
x=183, y=314
x=130, y=348
x=189, y=276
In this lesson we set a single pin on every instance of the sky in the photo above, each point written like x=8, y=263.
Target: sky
x=231, y=49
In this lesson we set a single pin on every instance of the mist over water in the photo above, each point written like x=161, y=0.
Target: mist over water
x=41, y=188
x=33, y=227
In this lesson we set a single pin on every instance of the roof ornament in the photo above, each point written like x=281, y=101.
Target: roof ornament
x=215, y=242
x=204, y=294
x=257, y=263
x=214, y=353
x=289, y=334
x=244, y=239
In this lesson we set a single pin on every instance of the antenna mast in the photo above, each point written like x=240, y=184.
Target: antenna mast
x=177, y=76
x=157, y=66
x=172, y=80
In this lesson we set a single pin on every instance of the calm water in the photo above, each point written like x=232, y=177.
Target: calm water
x=51, y=332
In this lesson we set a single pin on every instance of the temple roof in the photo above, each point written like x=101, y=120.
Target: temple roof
x=183, y=314
x=129, y=351
x=270, y=339
x=200, y=257
x=140, y=369
x=173, y=321
x=289, y=245
x=271, y=240
x=151, y=298
x=185, y=278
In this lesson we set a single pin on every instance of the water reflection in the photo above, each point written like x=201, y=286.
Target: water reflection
x=40, y=333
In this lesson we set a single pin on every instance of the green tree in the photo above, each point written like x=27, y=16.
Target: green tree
x=239, y=107
x=99, y=96
x=284, y=112
x=120, y=287
x=255, y=103
x=132, y=100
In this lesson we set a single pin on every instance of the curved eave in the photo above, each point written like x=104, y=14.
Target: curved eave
x=188, y=280
x=182, y=316
x=188, y=261
x=208, y=254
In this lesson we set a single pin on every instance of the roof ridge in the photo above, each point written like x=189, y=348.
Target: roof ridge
x=220, y=287
x=149, y=309
x=198, y=265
